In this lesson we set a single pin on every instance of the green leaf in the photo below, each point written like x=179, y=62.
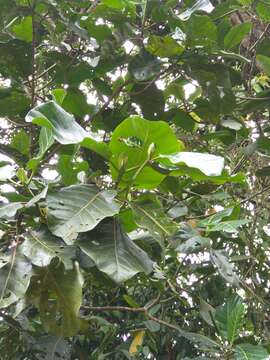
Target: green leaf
x=207, y=312
x=236, y=35
x=229, y=318
x=13, y=101
x=204, y=342
x=24, y=30
x=21, y=142
x=63, y=125
x=164, y=46
x=250, y=352
x=263, y=10
x=188, y=240
x=40, y=247
x=45, y=141
x=152, y=326
x=14, y=278
x=114, y=252
x=149, y=214
x=216, y=218
x=58, y=295
x=201, y=31
x=38, y=197
x=131, y=159
x=264, y=61
x=144, y=66
x=150, y=99
x=265, y=171
x=225, y=268
x=97, y=146
x=69, y=170
x=78, y=208
x=75, y=102
x=230, y=226
x=10, y=210
x=210, y=165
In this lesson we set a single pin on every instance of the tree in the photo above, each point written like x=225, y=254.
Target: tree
x=134, y=179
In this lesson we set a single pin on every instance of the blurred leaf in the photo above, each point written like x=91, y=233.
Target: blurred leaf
x=210, y=165
x=144, y=66
x=229, y=318
x=114, y=252
x=62, y=124
x=40, y=247
x=14, y=278
x=21, y=142
x=225, y=268
x=136, y=342
x=164, y=46
x=250, y=352
x=78, y=208
x=24, y=30
x=58, y=295
x=236, y=35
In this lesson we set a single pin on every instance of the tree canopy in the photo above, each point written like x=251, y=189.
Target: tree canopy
x=134, y=179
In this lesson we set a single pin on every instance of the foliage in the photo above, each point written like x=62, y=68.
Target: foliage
x=134, y=165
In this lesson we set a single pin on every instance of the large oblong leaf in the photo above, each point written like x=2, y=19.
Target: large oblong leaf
x=208, y=164
x=63, y=125
x=14, y=278
x=114, y=252
x=58, y=295
x=79, y=208
x=40, y=247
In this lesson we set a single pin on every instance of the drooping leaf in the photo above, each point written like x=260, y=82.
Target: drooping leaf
x=78, y=208
x=114, y=253
x=63, y=126
x=58, y=295
x=10, y=210
x=45, y=141
x=40, y=247
x=188, y=240
x=225, y=268
x=149, y=214
x=15, y=277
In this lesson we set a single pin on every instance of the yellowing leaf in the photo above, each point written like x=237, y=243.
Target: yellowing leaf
x=136, y=342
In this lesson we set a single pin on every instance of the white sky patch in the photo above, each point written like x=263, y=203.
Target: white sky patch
x=128, y=46
x=6, y=188
x=49, y=174
x=190, y=89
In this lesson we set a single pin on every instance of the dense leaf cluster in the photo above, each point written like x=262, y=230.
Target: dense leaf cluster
x=134, y=179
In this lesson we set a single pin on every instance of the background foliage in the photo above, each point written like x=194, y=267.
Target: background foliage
x=134, y=174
